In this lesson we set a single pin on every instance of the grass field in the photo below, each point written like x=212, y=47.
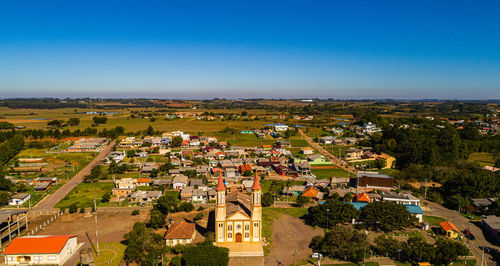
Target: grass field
x=85, y=193
x=433, y=220
x=109, y=254
x=327, y=173
x=483, y=158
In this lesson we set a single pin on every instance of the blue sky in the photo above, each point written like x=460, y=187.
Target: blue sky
x=250, y=49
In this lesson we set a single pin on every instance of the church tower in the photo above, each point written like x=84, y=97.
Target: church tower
x=256, y=210
x=220, y=210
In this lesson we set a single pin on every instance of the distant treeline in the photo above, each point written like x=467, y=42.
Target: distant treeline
x=10, y=148
x=58, y=134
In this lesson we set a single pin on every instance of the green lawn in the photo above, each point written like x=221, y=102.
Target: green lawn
x=327, y=173
x=483, y=158
x=85, y=193
x=433, y=220
x=109, y=254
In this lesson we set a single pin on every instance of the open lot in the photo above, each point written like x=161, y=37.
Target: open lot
x=483, y=158
x=85, y=193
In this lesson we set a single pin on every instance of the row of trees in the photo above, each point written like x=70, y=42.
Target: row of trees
x=350, y=244
x=10, y=148
x=386, y=216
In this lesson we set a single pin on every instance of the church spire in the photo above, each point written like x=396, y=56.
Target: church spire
x=220, y=184
x=256, y=184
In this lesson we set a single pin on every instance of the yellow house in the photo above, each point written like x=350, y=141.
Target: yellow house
x=450, y=229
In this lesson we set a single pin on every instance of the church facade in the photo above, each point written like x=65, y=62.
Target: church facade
x=238, y=219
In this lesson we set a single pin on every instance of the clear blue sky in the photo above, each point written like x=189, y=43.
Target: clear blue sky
x=287, y=49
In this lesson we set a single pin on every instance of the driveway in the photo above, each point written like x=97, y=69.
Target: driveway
x=464, y=223
x=50, y=201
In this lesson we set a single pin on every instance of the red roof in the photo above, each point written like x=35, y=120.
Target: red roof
x=220, y=183
x=38, y=245
x=185, y=142
x=447, y=226
x=256, y=184
x=363, y=197
x=143, y=180
x=182, y=230
x=310, y=192
x=245, y=167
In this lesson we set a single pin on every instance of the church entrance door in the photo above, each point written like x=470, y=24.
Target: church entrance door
x=238, y=238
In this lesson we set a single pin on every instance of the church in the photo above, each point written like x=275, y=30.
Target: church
x=238, y=220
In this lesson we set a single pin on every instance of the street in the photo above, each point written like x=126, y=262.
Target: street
x=463, y=223
x=50, y=201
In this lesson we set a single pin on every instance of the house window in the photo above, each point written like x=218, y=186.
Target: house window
x=247, y=235
x=238, y=226
x=230, y=227
x=38, y=258
x=247, y=227
x=229, y=235
x=255, y=224
x=10, y=258
x=221, y=225
x=52, y=257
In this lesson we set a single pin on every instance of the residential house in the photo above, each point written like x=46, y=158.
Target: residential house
x=295, y=190
x=317, y=159
x=307, y=151
x=303, y=168
x=144, y=181
x=19, y=199
x=199, y=196
x=244, y=167
x=40, y=249
x=212, y=195
x=180, y=181
x=42, y=186
x=312, y=192
x=187, y=193
x=450, y=229
x=124, y=187
x=145, y=197
x=162, y=182
x=181, y=233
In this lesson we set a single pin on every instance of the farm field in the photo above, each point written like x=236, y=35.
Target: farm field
x=327, y=173
x=483, y=158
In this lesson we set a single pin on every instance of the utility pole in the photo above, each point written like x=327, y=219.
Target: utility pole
x=482, y=257
x=364, y=253
x=96, y=232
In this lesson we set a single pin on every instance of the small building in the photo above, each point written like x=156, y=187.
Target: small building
x=307, y=151
x=180, y=181
x=405, y=199
x=42, y=186
x=492, y=225
x=450, y=229
x=144, y=197
x=19, y=199
x=129, y=183
x=162, y=182
x=295, y=190
x=144, y=181
x=374, y=180
x=180, y=234
x=48, y=250
x=362, y=197
x=199, y=196
x=121, y=192
x=312, y=192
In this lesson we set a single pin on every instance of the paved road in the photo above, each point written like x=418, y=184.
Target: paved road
x=464, y=223
x=336, y=161
x=50, y=201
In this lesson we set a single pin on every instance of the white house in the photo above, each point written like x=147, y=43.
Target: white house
x=280, y=127
x=180, y=181
x=40, y=249
x=19, y=199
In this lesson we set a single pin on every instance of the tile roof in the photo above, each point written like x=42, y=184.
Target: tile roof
x=38, y=244
x=143, y=180
x=310, y=192
x=238, y=201
x=182, y=230
x=448, y=226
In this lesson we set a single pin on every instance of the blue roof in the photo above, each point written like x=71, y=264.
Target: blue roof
x=413, y=209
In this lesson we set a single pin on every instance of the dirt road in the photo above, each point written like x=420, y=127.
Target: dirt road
x=463, y=223
x=50, y=201
x=336, y=161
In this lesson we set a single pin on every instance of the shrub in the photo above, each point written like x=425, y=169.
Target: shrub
x=198, y=216
x=73, y=208
x=176, y=261
x=135, y=212
x=82, y=210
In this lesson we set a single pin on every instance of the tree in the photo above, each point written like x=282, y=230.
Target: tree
x=418, y=250
x=100, y=119
x=176, y=141
x=55, y=123
x=4, y=198
x=301, y=201
x=449, y=251
x=130, y=153
x=144, y=246
x=186, y=206
x=74, y=121
x=167, y=203
x=150, y=130
x=379, y=164
x=388, y=247
x=106, y=197
x=73, y=208
x=331, y=213
x=387, y=216
x=497, y=163
x=267, y=199
x=205, y=254
x=157, y=219
x=341, y=242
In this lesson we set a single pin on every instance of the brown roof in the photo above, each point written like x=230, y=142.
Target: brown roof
x=238, y=201
x=182, y=230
